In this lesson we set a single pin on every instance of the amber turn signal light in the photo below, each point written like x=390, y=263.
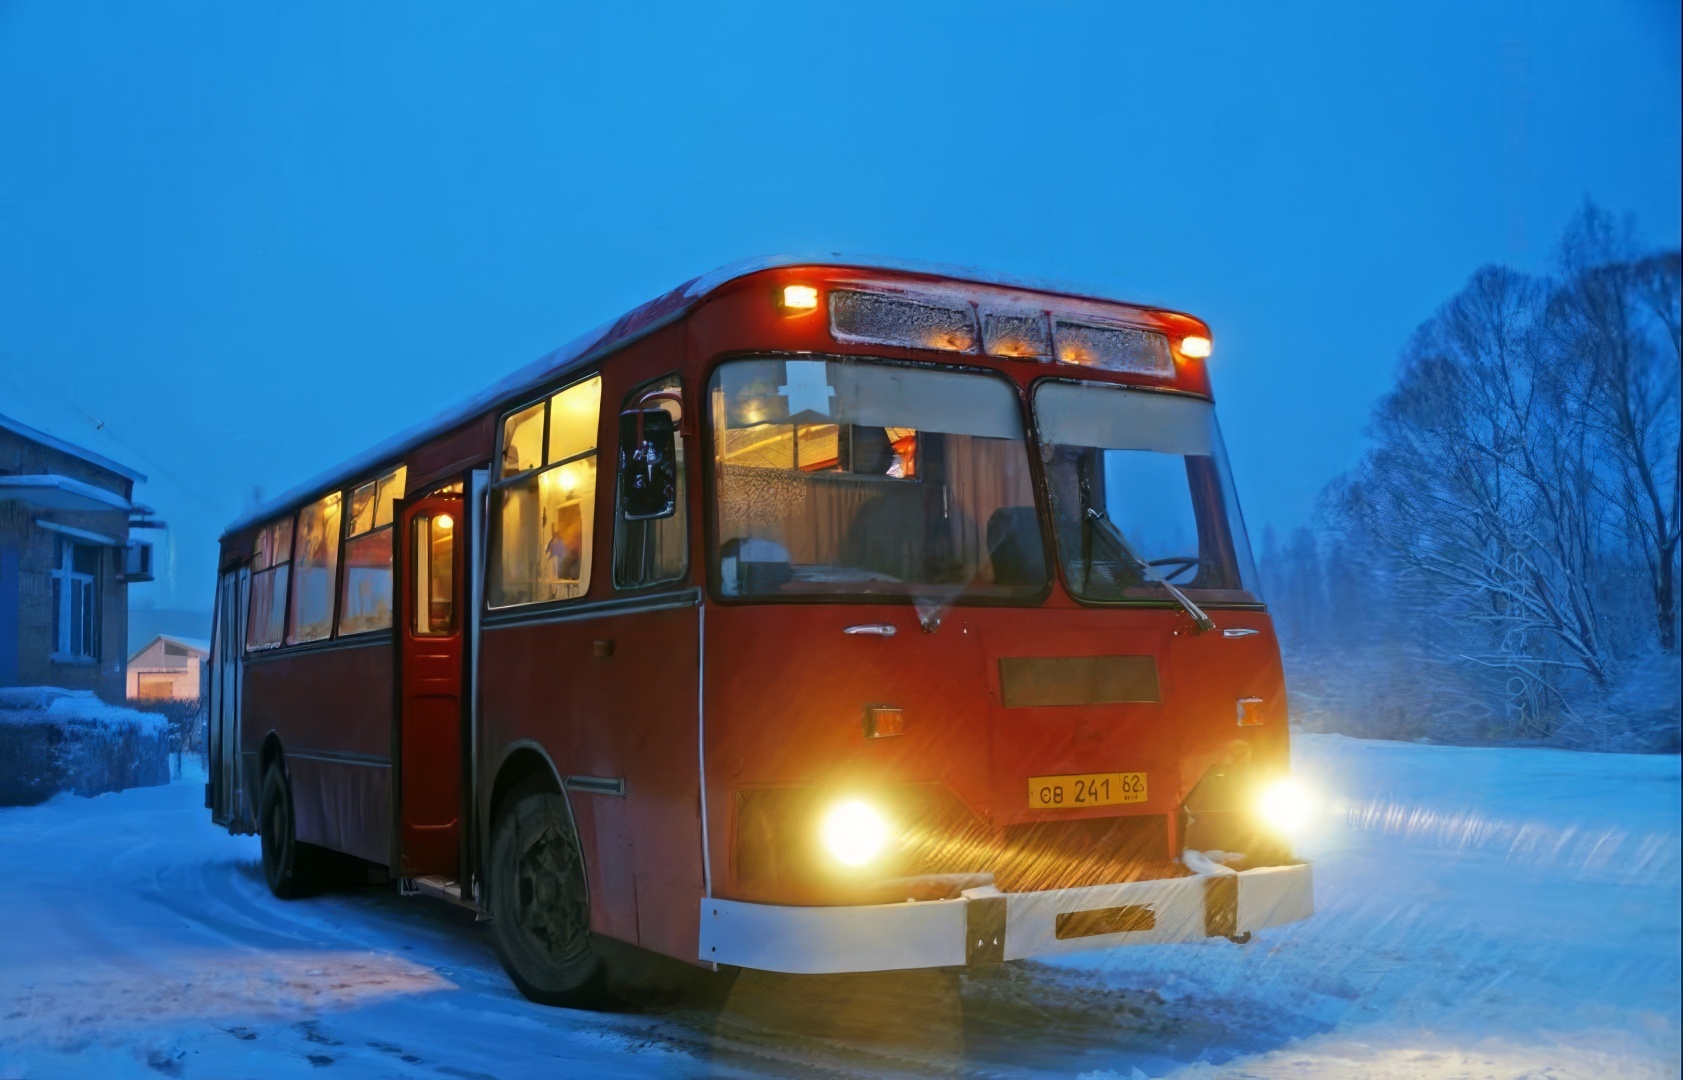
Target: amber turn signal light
x=798, y=298
x=1250, y=712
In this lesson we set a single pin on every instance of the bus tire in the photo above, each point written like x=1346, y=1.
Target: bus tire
x=288, y=864
x=540, y=908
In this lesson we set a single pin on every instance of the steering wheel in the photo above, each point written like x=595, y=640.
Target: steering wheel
x=1181, y=563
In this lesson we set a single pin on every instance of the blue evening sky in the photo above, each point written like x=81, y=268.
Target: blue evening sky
x=252, y=239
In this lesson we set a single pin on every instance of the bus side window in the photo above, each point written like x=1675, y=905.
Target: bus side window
x=315, y=570
x=650, y=550
x=365, y=596
x=544, y=505
x=270, y=564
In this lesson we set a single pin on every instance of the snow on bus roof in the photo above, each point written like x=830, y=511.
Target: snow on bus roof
x=635, y=323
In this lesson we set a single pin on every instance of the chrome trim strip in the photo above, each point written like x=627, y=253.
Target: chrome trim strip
x=479, y=517
x=575, y=612
x=339, y=757
x=281, y=652
x=701, y=744
x=596, y=785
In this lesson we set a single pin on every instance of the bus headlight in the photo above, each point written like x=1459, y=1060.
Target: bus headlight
x=1284, y=805
x=853, y=832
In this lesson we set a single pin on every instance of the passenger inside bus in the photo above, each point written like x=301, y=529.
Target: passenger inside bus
x=565, y=543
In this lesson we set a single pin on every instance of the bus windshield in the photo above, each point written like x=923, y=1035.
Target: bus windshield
x=859, y=478
x=1139, y=483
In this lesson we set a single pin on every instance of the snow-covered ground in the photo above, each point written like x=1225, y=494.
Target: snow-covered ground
x=1482, y=913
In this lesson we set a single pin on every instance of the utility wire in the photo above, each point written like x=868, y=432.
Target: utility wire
x=98, y=426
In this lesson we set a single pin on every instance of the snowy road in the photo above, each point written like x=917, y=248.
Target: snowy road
x=1483, y=913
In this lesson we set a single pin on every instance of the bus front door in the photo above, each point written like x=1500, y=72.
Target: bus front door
x=431, y=643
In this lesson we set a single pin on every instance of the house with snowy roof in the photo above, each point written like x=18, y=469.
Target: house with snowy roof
x=66, y=562
x=167, y=668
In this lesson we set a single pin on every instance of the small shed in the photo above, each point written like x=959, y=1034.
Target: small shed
x=167, y=667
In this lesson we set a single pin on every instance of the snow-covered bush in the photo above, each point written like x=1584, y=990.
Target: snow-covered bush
x=54, y=740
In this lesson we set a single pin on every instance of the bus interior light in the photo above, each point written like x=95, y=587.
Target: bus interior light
x=1195, y=346
x=799, y=298
x=853, y=832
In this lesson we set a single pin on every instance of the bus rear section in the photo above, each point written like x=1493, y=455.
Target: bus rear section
x=951, y=722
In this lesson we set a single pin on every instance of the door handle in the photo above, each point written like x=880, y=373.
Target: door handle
x=1243, y=631
x=876, y=629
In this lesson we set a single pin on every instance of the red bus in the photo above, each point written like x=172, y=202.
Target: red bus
x=812, y=617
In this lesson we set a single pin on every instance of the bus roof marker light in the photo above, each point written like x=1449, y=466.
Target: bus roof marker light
x=1195, y=346
x=800, y=298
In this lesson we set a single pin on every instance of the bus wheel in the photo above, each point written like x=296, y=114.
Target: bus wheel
x=287, y=863
x=540, y=912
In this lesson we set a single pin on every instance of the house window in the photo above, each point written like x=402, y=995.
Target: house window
x=76, y=600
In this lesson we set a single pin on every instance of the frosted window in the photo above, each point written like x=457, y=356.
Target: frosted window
x=265, y=623
x=1113, y=348
x=362, y=509
x=274, y=545
x=897, y=320
x=1021, y=335
x=314, y=570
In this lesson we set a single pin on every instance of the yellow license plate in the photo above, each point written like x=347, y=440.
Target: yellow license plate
x=1085, y=789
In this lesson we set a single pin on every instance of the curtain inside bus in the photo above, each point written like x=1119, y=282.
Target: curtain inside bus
x=842, y=477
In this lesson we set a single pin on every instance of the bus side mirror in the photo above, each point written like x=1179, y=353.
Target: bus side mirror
x=648, y=464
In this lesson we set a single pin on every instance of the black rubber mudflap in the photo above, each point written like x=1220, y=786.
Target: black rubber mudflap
x=984, y=923
x=1221, y=905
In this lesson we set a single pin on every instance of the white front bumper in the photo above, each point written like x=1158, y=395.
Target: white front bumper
x=985, y=925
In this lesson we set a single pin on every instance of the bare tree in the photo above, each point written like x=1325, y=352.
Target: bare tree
x=1616, y=318
x=1505, y=558
x=1479, y=489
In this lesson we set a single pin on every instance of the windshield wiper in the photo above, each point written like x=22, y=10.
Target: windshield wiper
x=1101, y=524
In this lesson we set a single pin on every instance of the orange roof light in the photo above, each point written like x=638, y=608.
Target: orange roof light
x=799, y=297
x=1196, y=347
